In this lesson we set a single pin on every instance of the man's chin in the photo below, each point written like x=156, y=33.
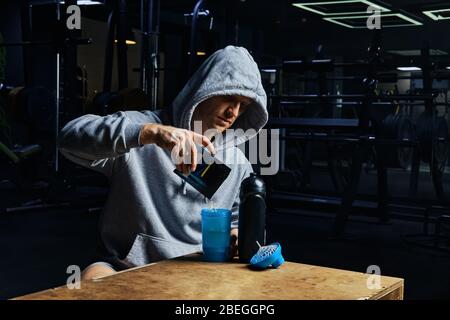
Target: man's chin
x=219, y=127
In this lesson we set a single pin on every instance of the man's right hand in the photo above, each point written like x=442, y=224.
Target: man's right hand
x=179, y=142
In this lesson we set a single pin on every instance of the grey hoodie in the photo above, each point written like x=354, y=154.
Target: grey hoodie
x=152, y=214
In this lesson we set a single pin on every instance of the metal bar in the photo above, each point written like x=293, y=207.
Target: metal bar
x=313, y=123
x=378, y=77
x=150, y=50
x=109, y=53
x=382, y=186
x=46, y=43
x=58, y=97
x=27, y=43
x=350, y=192
x=27, y=34
x=288, y=104
x=155, y=55
x=372, y=140
x=418, y=97
x=307, y=164
x=192, y=46
x=144, y=47
x=415, y=169
x=317, y=96
x=426, y=72
x=323, y=138
x=57, y=107
x=122, y=64
x=406, y=205
x=150, y=5
x=282, y=150
x=37, y=206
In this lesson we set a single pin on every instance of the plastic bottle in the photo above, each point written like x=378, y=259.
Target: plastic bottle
x=252, y=217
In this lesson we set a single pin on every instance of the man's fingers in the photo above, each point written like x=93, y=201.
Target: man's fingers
x=193, y=155
x=185, y=154
x=186, y=169
x=233, y=244
x=175, y=155
x=234, y=250
x=185, y=150
x=205, y=142
x=233, y=240
x=179, y=155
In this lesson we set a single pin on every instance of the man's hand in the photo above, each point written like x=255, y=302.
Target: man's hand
x=233, y=243
x=179, y=142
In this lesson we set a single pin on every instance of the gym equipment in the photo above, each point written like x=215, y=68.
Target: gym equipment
x=108, y=101
x=290, y=178
x=442, y=230
x=33, y=107
x=433, y=137
x=150, y=49
x=42, y=109
x=5, y=128
x=193, y=45
x=381, y=131
x=20, y=159
x=397, y=127
x=2, y=60
x=286, y=180
x=340, y=164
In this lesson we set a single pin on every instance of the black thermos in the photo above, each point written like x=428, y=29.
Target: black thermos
x=252, y=217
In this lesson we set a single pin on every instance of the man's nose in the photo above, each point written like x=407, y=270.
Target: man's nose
x=233, y=109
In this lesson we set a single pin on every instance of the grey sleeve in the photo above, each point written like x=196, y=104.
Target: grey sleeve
x=94, y=141
x=237, y=200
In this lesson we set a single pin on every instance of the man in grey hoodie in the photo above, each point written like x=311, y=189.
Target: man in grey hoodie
x=151, y=213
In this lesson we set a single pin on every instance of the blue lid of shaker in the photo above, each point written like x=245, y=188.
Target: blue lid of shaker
x=266, y=256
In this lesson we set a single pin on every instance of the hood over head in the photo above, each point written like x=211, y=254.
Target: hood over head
x=229, y=71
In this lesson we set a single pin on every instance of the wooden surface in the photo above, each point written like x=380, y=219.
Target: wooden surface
x=190, y=278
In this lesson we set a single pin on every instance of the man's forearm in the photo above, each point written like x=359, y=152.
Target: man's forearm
x=93, y=137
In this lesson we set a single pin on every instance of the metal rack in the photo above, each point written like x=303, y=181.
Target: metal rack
x=367, y=133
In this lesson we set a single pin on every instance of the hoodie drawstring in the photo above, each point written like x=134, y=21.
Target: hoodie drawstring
x=183, y=184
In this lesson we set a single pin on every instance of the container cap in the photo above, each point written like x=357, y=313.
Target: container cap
x=267, y=256
x=253, y=184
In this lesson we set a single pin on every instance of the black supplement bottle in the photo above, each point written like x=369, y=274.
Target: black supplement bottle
x=252, y=217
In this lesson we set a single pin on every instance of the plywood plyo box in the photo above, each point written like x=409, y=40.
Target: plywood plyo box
x=189, y=278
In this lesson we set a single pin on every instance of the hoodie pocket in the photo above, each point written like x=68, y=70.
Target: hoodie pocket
x=147, y=249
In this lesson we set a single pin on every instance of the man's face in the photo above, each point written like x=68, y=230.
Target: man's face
x=220, y=112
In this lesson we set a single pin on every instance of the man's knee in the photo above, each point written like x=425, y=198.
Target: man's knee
x=97, y=270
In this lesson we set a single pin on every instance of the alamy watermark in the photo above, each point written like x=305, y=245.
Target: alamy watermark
x=374, y=20
x=74, y=19
x=263, y=148
x=373, y=281
x=74, y=279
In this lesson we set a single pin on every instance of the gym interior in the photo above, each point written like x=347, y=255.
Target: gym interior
x=357, y=97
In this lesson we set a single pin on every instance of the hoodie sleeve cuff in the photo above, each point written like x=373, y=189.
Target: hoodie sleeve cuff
x=132, y=135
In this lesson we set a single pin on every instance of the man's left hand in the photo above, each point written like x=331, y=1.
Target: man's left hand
x=233, y=243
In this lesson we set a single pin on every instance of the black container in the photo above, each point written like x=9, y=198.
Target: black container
x=208, y=176
x=252, y=217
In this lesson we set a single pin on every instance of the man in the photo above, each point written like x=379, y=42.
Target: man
x=151, y=213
